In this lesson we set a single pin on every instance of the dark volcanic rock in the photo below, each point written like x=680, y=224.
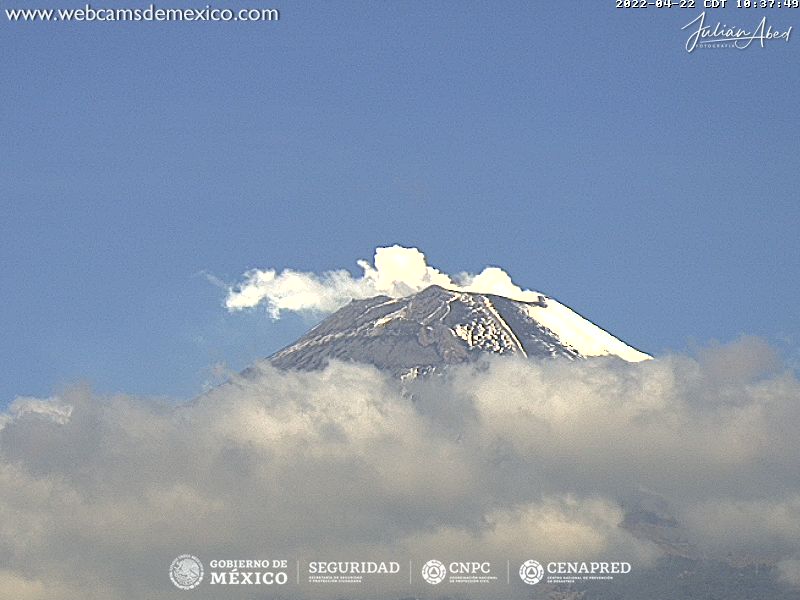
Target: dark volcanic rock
x=425, y=331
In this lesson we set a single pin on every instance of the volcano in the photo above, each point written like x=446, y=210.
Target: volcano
x=437, y=327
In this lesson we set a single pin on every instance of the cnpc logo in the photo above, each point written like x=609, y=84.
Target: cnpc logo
x=434, y=571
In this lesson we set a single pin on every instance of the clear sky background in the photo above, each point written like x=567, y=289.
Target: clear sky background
x=576, y=145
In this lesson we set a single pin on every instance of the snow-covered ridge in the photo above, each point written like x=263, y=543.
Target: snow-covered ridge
x=437, y=326
x=581, y=334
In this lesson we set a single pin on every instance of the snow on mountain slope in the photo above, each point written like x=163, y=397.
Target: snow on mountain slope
x=581, y=334
x=437, y=327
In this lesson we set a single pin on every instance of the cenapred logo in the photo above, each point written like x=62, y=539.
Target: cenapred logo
x=434, y=572
x=186, y=572
x=531, y=572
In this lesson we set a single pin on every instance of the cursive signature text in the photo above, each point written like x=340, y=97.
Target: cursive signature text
x=738, y=37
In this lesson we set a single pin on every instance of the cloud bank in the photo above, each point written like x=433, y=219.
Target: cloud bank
x=397, y=272
x=506, y=459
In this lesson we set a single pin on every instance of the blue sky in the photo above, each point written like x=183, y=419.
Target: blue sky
x=576, y=145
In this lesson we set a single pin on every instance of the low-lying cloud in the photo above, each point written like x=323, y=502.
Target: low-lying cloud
x=396, y=272
x=506, y=459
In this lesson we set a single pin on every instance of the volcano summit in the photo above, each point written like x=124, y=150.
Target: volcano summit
x=437, y=327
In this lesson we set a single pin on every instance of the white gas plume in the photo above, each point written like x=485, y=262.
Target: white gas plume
x=396, y=271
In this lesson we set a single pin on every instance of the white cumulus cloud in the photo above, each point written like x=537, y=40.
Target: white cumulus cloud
x=507, y=459
x=396, y=271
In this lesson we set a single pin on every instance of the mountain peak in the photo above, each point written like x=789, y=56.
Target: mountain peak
x=437, y=327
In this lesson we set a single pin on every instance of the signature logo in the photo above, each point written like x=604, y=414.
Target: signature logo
x=704, y=35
